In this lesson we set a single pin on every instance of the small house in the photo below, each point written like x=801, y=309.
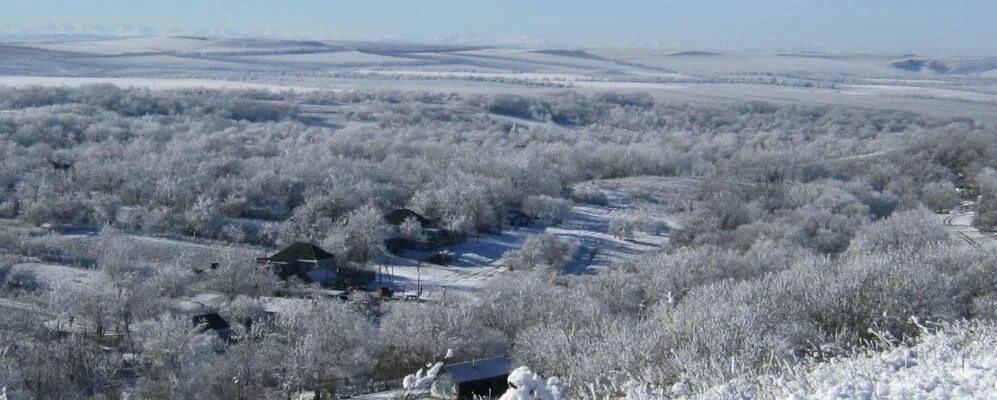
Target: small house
x=477, y=378
x=302, y=260
x=310, y=263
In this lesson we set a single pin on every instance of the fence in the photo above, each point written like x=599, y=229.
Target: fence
x=347, y=389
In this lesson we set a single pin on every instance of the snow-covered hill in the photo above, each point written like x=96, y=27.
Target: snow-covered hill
x=959, y=362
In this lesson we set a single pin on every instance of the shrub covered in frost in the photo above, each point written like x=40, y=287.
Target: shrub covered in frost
x=590, y=194
x=544, y=251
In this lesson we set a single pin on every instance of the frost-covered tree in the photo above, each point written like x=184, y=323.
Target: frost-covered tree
x=939, y=196
x=527, y=385
x=986, y=207
x=327, y=343
x=543, y=251
x=622, y=228
x=362, y=233
x=411, y=229
x=547, y=208
x=238, y=275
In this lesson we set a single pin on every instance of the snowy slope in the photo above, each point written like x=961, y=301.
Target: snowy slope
x=960, y=362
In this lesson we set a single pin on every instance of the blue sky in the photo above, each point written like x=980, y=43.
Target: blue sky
x=922, y=26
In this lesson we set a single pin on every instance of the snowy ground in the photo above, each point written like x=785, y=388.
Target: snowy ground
x=55, y=276
x=917, y=91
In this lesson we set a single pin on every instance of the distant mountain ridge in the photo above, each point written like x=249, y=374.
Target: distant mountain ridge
x=948, y=66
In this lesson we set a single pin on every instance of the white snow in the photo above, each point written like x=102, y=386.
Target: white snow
x=344, y=58
x=627, y=85
x=916, y=91
x=144, y=83
x=553, y=77
x=53, y=276
x=959, y=362
x=527, y=385
x=127, y=46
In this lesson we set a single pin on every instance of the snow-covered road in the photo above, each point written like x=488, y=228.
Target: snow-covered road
x=959, y=223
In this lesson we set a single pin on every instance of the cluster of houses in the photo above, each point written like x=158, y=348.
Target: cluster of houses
x=305, y=261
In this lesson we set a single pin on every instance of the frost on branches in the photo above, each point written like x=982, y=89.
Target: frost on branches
x=527, y=385
x=419, y=382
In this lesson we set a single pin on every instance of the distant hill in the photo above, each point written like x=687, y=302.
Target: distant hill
x=693, y=53
x=950, y=66
x=53, y=37
x=269, y=43
x=569, y=53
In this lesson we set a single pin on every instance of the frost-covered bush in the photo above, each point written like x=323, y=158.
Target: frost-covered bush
x=939, y=196
x=411, y=229
x=622, y=228
x=411, y=333
x=363, y=233
x=986, y=208
x=916, y=228
x=527, y=385
x=957, y=361
x=547, y=208
x=236, y=275
x=590, y=194
x=19, y=278
x=542, y=251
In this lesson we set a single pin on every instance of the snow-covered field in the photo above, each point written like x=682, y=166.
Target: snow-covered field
x=900, y=90
x=144, y=83
x=476, y=75
x=860, y=80
x=54, y=276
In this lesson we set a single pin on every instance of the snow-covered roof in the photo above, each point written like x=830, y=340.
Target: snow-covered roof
x=479, y=369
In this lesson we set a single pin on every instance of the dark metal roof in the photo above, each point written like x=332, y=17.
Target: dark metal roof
x=400, y=215
x=479, y=369
x=301, y=252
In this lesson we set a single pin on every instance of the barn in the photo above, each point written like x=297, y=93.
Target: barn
x=477, y=378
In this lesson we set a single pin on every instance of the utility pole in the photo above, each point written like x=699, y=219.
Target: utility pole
x=318, y=388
